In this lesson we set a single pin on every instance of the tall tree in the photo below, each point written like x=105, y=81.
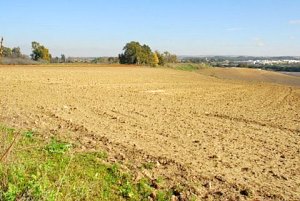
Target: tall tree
x=135, y=53
x=155, y=59
x=39, y=52
x=132, y=53
x=63, y=58
x=7, y=52
x=161, y=58
x=170, y=58
x=16, y=52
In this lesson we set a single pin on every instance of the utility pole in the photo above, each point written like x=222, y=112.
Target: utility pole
x=1, y=47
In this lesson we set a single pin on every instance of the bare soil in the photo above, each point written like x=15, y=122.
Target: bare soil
x=217, y=139
x=254, y=75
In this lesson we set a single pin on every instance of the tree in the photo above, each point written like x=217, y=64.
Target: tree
x=155, y=59
x=39, y=52
x=170, y=58
x=63, y=58
x=16, y=52
x=7, y=52
x=132, y=53
x=112, y=60
x=135, y=53
x=242, y=65
x=161, y=58
x=55, y=60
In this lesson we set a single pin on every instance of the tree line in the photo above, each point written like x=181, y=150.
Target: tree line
x=39, y=52
x=133, y=53
x=9, y=52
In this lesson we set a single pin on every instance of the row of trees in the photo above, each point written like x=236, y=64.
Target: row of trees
x=39, y=52
x=8, y=52
x=14, y=52
x=135, y=53
x=105, y=60
x=61, y=59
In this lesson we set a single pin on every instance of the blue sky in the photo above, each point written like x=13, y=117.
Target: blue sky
x=184, y=27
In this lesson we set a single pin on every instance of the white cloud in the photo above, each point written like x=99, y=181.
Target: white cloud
x=294, y=21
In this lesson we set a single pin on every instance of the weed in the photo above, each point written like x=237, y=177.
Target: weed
x=52, y=172
x=57, y=147
x=127, y=190
x=28, y=134
x=163, y=196
x=144, y=188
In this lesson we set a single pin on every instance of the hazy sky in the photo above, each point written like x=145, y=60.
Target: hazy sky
x=184, y=27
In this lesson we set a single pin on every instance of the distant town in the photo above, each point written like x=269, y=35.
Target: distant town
x=283, y=63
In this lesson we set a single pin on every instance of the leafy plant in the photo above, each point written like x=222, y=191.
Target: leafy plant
x=50, y=172
x=28, y=134
x=57, y=147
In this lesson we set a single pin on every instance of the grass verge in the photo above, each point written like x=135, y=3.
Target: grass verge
x=33, y=169
x=188, y=66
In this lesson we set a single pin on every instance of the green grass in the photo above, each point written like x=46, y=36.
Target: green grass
x=39, y=170
x=187, y=66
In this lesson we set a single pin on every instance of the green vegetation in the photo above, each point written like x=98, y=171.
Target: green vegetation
x=188, y=66
x=32, y=169
x=39, y=52
x=12, y=55
x=283, y=63
x=135, y=53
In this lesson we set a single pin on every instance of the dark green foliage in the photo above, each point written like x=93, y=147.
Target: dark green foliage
x=242, y=65
x=135, y=53
x=132, y=53
x=63, y=59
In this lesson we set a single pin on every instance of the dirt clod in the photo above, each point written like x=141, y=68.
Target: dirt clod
x=186, y=127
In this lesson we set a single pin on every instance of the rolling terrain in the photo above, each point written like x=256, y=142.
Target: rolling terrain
x=254, y=75
x=218, y=134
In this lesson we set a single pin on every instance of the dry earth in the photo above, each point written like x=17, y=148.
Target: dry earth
x=254, y=75
x=217, y=139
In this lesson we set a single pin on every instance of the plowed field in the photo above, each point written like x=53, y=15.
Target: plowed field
x=217, y=138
